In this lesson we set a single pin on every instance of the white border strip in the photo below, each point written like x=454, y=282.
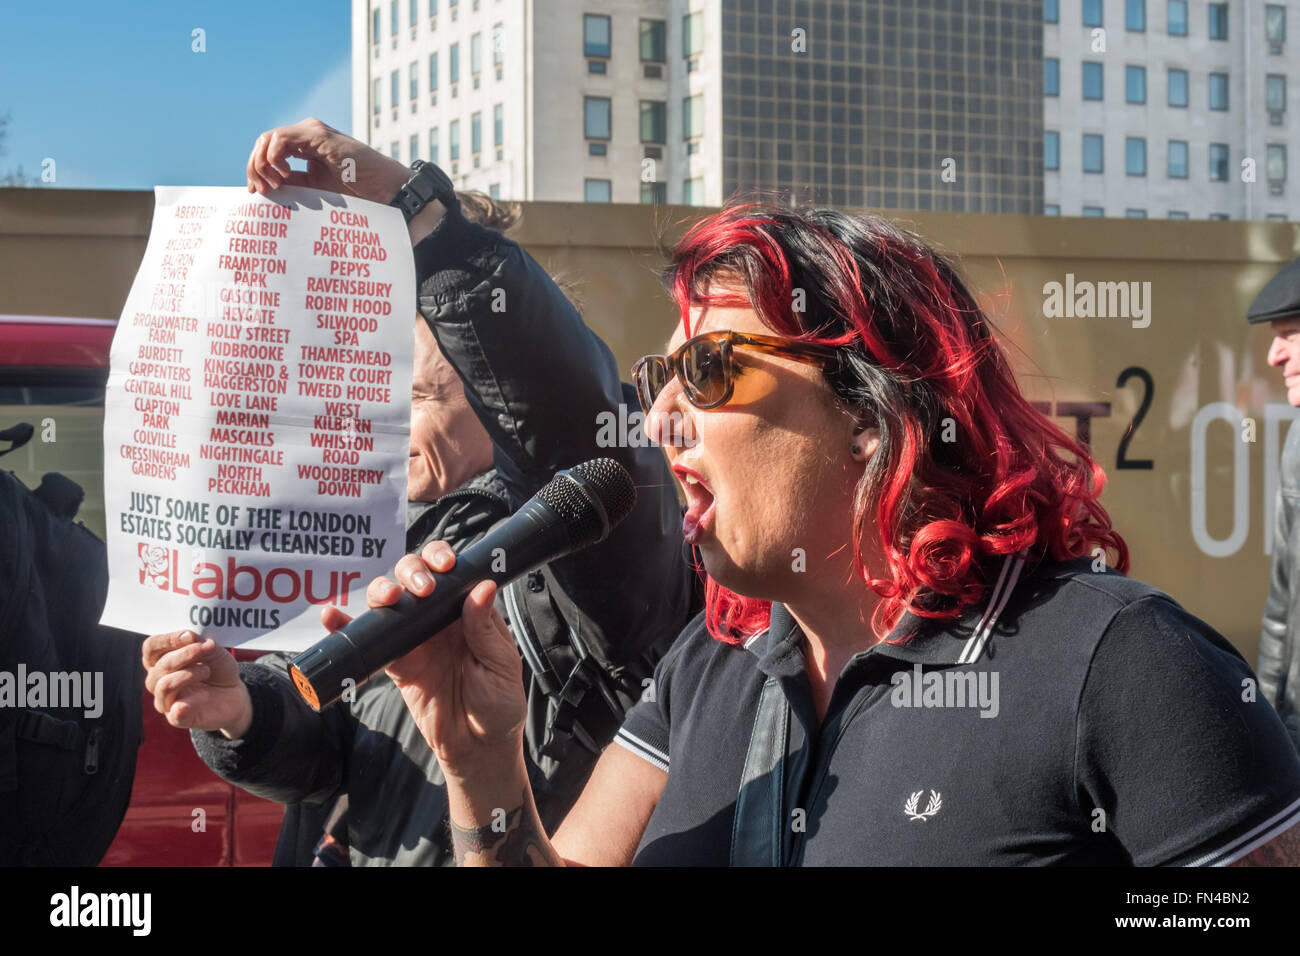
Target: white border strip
x=991, y=611
x=1248, y=842
x=642, y=749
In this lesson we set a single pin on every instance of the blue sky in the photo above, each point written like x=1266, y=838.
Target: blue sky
x=113, y=93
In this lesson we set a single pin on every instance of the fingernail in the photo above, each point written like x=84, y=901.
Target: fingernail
x=445, y=558
x=420, y=580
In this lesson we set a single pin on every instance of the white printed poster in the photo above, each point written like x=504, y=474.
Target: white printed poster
x=257, y=417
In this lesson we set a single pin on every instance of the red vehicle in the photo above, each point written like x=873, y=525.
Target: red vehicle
x=181, y=813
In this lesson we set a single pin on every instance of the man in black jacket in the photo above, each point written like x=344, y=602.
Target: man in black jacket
x=589, y=627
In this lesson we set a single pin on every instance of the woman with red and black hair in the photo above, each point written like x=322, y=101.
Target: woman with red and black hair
x=915, y=649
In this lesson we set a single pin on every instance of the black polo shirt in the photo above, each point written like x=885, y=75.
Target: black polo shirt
x=1078, y=717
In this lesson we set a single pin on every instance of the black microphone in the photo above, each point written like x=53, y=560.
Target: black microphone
x=577, y=508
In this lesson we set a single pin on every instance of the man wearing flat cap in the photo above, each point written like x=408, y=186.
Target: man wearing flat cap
x=1279, y=640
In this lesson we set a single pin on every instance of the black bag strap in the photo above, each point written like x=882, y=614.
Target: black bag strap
x=758, y=829
x=586, y=709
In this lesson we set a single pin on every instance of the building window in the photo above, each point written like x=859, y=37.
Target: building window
x=494, y=190
x=1051, y=76
x=1218, y=91
x=1051, y=149
x=433, y=73
x=693, y=116
x=1135, y=84
x=414, y=18
x=654, y=121
x=1275, y=164
x=1218, y=21
x=1092, y=13
x=595, y=120
x=1275, y=93
x=1177, y=159
x=498, y=125
x=476, y=132
x=654, y=192
x=654, y=41
x=376, y=96
x=1135, y=213
x=1051, y=11
x=1177, y=214
x=692, y=36
x=1092, y=81
x=1093, y=153
x=1135, y=156
x=498, y=46
x=433, y=9
x=1178, y=88
x=476, y=54
x=414, y=145
x=433, y=146
x=392, y=20
x=396, y=83
x=453, y=61
x=395, y=148
x=595, y=38
x=1135, y=16
x=597, y=190
x=374, y=27
x=1221, y=216
x=1275, y=24
x=453, y=140
x=1219, y=162
x=693, y=191
x=1178, y=18
x=414, y=81
x=1094, y=212
x=1051, y=209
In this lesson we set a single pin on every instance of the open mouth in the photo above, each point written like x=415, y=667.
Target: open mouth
x=700, y=502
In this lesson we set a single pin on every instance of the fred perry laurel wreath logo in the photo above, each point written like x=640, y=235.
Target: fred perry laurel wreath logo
x=930, y=810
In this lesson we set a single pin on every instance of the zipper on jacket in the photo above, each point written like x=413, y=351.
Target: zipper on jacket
x=92, y=752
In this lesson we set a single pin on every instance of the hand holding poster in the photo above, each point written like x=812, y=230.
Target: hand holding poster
x=257, y=414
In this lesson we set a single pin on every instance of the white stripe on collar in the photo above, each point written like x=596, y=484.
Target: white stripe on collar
x=997, y=601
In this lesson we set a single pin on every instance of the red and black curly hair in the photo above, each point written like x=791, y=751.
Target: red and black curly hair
x=966, y=469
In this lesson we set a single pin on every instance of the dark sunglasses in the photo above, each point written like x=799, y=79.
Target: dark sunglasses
x=706, y=368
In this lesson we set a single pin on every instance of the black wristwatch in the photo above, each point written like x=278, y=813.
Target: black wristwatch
x=428, y=183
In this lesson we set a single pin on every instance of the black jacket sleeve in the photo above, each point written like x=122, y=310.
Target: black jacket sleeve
x=542, y=384
x=1273, y=633
x=291, y=753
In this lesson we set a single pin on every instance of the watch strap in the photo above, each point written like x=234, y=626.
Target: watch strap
x=427, y=183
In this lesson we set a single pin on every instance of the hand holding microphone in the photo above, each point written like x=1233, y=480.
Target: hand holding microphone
x=464, y=686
